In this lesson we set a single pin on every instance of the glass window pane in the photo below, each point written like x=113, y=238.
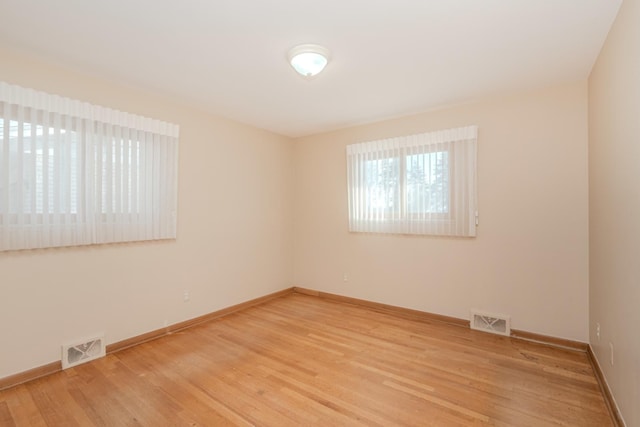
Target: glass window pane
x=428, y=182
x=382, y=178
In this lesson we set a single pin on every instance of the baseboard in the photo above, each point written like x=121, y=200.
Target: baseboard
x=31, y=374
x=386, y=308
x=133, y=341
x=426, y=316
x=548, y=340
x=51, y=368
x=408, y=313
x=616, y=416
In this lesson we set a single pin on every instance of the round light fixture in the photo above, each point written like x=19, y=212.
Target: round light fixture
x=308, y=59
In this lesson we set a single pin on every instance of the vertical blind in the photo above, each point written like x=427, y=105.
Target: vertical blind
x=72, y=173
x=418, y=184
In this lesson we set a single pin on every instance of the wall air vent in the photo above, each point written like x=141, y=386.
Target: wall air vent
x=83, y=351
x=493, y=323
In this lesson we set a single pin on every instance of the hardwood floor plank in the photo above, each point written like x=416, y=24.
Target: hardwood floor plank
x=23, y=408
x=6, y=419
x=301, y=360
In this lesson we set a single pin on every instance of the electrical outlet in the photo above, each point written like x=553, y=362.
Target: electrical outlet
x=598, y=331
x=185, y=296
x=611, y=355
x=345, y=277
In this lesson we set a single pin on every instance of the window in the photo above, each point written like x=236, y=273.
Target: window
x=28, y=189
x=76, y=174
x=419, y=184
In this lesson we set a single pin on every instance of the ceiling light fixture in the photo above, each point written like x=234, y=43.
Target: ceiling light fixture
x=308, y=59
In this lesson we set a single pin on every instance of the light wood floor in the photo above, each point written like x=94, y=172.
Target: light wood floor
x=300, y=360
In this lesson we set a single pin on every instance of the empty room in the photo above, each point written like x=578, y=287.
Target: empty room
x=295, y=213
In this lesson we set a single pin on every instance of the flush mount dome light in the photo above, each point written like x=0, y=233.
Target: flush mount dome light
x=308, y=59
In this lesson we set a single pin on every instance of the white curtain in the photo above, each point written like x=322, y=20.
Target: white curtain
x=72, y=173
x=418, y=184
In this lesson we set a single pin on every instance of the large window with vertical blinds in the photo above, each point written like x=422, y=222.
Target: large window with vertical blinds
x=418, y=184
x=72, y=173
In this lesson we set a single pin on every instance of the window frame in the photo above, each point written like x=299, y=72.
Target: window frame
x=86, y=141
x=401, y=220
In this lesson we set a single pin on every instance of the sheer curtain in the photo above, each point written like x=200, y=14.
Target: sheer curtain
x=72, y=173
x=418, y=184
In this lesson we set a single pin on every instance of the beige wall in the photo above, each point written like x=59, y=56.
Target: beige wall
x=530, y=257
x=614, y=209
x=234, y=234
x=248, y=198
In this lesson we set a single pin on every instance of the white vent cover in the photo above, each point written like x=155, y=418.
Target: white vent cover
x=82, y=351
x=493, y=323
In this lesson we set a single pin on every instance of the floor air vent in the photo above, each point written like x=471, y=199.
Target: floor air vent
x=83, y=351
x=493, y=323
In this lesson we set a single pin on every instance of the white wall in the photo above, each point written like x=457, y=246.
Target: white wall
x=530, y=258
x=614, y=209
x=234, y=234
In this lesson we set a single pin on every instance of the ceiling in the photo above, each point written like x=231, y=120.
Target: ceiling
x=388, y=58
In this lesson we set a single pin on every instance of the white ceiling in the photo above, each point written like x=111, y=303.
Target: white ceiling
x=389, y=58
